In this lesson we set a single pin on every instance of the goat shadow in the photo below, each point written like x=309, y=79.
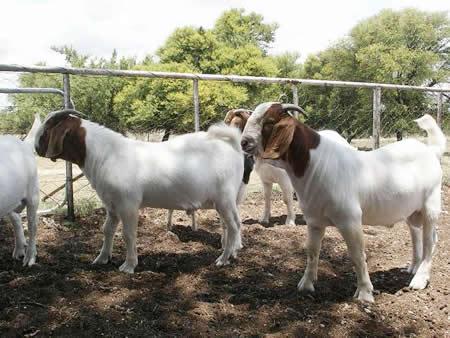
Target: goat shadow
x=276, y=220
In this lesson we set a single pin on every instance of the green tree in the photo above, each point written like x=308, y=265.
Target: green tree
x=94, y=96
x=159, y=104
x=406, y=47
x=236, y=29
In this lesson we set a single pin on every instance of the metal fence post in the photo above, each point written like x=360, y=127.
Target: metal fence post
x=439, y=110
x=196, y=106
x=376, y=132
x=295, y=98
x=69, y=181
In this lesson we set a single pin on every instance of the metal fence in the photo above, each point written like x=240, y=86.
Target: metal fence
x=294, y=83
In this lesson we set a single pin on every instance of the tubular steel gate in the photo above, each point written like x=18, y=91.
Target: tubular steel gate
x=67, y=71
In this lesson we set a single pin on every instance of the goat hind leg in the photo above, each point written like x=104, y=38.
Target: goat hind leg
x=130, y=222
x=288, y=198
x=267, y=187
x=31, y=252
x=19, y=238
x=415, y=224
x=430, y=215
x=231, y=237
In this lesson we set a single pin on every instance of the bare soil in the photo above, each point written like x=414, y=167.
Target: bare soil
x=178, y=291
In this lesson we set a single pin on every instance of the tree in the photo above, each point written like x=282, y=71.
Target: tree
x=406, y=47
x=236, y=29
x=93, y=96
x=159, y=104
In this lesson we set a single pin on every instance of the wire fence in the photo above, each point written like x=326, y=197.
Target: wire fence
x=60, y=184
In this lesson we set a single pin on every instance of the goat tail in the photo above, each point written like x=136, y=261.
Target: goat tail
x=29, y=139
x=435, y=137
x=226, y=133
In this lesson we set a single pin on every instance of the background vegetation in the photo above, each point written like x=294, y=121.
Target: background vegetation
x=408, y=47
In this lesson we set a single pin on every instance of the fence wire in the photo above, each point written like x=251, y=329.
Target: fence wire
x=351, y=114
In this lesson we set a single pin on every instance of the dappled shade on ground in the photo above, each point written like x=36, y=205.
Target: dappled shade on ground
x=177, y=290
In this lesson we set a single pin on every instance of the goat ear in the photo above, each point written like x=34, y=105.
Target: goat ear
x=279, y=140
x=56, y=140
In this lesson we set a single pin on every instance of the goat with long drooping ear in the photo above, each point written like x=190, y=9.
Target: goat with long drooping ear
x=342, y=187
x=266, y=172
x=129, y=174
x=270, y=174
x=19, y=188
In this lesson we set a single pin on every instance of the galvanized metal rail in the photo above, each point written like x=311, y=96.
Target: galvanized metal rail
x=67, y=71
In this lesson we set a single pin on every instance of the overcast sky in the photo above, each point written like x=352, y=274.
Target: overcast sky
x=28, y=28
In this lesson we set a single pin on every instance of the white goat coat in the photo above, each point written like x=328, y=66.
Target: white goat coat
x=198, y=170
x=270, y=174
x=384, y=186
x=344, y=187
x=181, y=173
x=19, y=188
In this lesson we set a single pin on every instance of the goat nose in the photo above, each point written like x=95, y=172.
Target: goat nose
x=244, y=143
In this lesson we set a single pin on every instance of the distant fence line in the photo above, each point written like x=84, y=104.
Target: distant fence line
x=67, y=71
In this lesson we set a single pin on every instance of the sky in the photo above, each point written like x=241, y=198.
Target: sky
x=28, y=28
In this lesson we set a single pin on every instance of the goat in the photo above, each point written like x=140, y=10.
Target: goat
x=344, y=187
x=270, y=174
x=129, y=174
x=248, y=168
x=19, y=188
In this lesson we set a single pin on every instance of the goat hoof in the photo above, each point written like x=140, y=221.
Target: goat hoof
x=102, y=259
x=364, y=295
x=30, y=257
x=264, y=221
x=305, y=285
x=127, y=267
x=419, y=282
x=19, y=253
x=222, y=261
x=290, y=223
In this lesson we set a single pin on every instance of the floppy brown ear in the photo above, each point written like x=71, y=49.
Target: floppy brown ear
x=56, y=140
x=279, y=140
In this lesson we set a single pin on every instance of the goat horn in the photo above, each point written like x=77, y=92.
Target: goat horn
x=290, y=106
x=59, y=114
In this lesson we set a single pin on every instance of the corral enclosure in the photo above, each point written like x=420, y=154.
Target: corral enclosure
x=178, y=291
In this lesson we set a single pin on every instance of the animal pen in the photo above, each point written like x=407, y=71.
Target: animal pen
x=66, y=72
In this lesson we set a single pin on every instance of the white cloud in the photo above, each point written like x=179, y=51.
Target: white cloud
x=28, y=28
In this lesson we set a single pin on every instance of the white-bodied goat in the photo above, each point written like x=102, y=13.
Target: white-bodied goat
x=188, y=172
x=343, y=187
x=19, y=188
x=270, y=174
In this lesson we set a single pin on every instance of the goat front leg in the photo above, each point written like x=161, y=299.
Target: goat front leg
x=353, y=236
x=315, y=236
x=130, y=221
x=109, y=229
x=267, y=187
x=19, y=238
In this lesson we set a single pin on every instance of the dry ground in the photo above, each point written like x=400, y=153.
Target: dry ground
x=178, y=291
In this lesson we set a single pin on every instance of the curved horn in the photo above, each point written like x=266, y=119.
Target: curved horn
x=290, y=106
x=59, y=114
x=230, y=114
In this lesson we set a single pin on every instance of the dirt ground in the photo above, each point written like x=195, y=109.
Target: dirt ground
x=178, y=291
